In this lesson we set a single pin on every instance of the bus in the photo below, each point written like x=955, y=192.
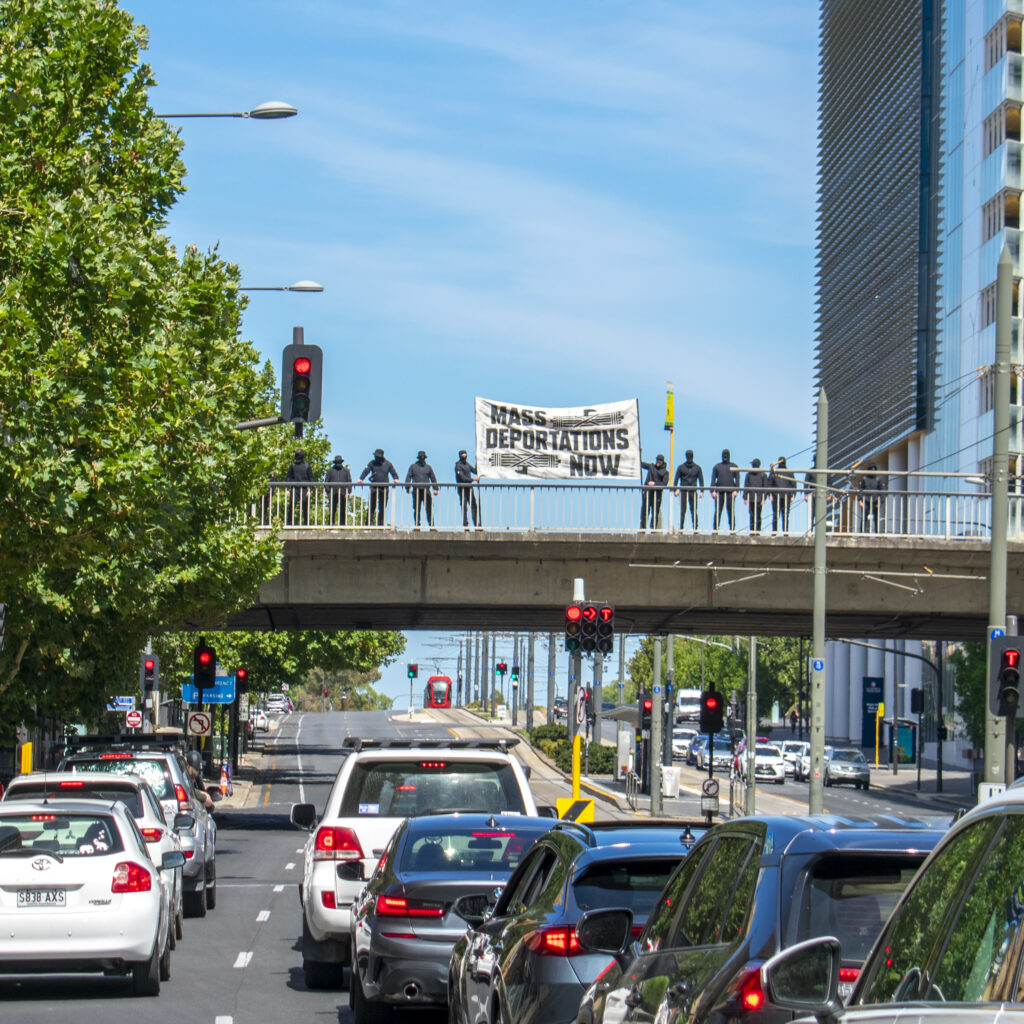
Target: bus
x=438, y=693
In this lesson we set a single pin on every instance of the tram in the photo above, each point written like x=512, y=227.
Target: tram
x=438, y=693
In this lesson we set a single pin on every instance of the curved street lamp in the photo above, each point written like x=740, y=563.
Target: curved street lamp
x=299, y=286
x=270, y=111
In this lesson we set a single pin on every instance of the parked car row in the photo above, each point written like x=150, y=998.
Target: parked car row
x=101, y=860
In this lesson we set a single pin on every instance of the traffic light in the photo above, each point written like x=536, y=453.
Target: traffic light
x=573, y=625
x=712, y=711
x=241, y=680
x=645, y=706
x=605, y=628
x=413, y=670
x=589, y=636
x=515, y=674
x=500, y=669
x=1004, y=693
x=149, y=672
x=204, y=666
x=301, y=383
x=916, y=700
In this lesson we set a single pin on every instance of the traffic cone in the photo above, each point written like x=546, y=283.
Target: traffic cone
x=223, y=780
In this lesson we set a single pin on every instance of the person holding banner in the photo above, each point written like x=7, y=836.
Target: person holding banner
x=465, y=477
x=417, y=482
x=381, y=472
x=654, y=485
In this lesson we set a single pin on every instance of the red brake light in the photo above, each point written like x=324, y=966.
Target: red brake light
x=44, y=817
x=189, y=854
x=115, y=757
x=849, y=973
x=493, y=835
x=67, y=784
x=152, y=835
x=557, y=941
x=405, y=789
x=751, y=993
x=398, y=906
x=327, y=899
x=181, y=796
x=336, y=844
x=129, y=877
x=433, y=764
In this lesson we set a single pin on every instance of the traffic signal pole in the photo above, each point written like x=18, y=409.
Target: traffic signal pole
x=816, y=782
x=654, y=749
x=750, y=794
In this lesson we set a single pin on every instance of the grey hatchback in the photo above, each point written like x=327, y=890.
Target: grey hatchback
x=847, y=767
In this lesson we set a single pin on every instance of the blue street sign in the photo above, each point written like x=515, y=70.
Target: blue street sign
x=657, y=689
x=997, y=632
x=222, y=693
x=121, y=704
x=818, y=665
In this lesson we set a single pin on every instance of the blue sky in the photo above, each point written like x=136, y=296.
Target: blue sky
x=556, y=204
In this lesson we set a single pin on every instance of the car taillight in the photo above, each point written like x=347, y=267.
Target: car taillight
x=398, y=906
x=129, y=877
x=848, y=974
x=751, y=994
x=66, y=784
x=336, y=844
x=556, y=941
x=327, y=899
x=115, y=757
x=181, y=796
x=152, y=835
x=189, y=854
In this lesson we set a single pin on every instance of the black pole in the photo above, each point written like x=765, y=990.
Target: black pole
x=940, y=726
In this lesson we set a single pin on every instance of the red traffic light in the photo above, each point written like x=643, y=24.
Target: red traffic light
x=573, y=613
x=606, y=614
x=648, y=704
x=1011, y=658
x=149, y=664
x=711, y=702
x=241, y=674
x=204, y=657
x=302, y=365
x=589, y=613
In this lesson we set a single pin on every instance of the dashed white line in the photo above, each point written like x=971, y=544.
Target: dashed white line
x=278, y=888
x=289, y=866
x=298, y=752
x=242, y=960
x=300, y=849
x=263, y=915
x=223, y=1020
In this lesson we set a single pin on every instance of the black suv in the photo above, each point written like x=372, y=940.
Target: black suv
x=748, y=889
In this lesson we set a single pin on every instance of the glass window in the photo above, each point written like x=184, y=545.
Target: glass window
x=154, y=772
x=917, y=926
x=405, y=789
x=661, y=917
x=848, y=757
x=468, y=849
x=69, y=835
x=635, y=883
x=517, y=884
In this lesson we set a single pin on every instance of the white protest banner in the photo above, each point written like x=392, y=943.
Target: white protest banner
x=594, y=442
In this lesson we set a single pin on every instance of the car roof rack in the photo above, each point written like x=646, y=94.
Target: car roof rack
x=357, y=743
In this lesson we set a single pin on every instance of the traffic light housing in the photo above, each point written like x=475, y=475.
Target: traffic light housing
x=573, y=627
x=1004, y=691
x=605, y=628
x=588, y=639
x=645, y=708
x=712, y=712
x=149, y=672
x=241, y=680
x=500, y=669
x=204, y=666
x=413, y=670
x=301, y=383
x=515, y=674
x=916, y=700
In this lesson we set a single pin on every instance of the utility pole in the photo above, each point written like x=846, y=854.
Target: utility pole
x=1000, y=758
x=816, y=783
x=622, y=670
x=494, y=684
x=750, y=795
x=670, y=706
x=551, y=678
x=655, y=747
x=529, y=683
x=596, y=694
x=484, y=674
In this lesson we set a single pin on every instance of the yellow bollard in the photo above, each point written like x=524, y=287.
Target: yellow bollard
x=26, y=758
x=577, y=745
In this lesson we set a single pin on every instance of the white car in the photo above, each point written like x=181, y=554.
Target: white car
x=260, y=720
x=769, y=764
x=805, y=762
x=79, y=891
x=792, y=751
x=380, y=783
x=136, y=794
x=681, y=740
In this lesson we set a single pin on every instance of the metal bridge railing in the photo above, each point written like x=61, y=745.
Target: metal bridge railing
x=917, y=505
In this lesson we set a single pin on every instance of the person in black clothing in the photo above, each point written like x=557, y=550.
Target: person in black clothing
x=782, y=485
x=300, y=472
x=871, y=501
x=465, y=477
x=754, y=489
x=689, y=477
x=337, y=496
x=417, y=482
x=381, y=472
x=725, y=482
x=654, y=485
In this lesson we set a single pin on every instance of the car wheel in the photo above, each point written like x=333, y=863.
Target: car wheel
x=146, y=976
x=828, y=781
x=211, y=887
x=365, y=1011
x=867, y=785
x=195, y=904
x=179, y=921
x=165, y=960
x=319, y=974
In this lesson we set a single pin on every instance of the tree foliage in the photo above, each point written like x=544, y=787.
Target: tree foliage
x=971, y=689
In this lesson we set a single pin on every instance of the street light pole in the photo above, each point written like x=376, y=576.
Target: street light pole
x=816, y=791
x=273, y=110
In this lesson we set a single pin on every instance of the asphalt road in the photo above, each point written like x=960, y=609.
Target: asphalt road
x=242, y=963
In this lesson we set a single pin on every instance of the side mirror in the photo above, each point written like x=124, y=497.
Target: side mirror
x=184, y=822
x=303, y=816
x=608, y=931
x=172, y=859
x=527, y=770
x=475, y=908
x=805, y=978
x=546, y=811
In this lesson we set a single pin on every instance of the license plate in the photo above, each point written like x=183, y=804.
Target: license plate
x=42, y=897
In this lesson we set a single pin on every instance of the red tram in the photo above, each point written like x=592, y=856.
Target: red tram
x=438, y=693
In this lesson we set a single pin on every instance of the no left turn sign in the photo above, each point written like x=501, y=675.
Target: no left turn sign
x=199, y=723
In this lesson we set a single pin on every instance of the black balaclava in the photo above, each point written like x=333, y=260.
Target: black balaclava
x=339, y=461
x=756, y=463
x=725, y=454
x=689, y=455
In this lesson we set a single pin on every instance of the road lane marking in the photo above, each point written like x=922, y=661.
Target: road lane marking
x=223, y=1020
x=298, y=750
x=263, y=915
x=278, y=888
x=289, y=866
x=300, y=849
x=242, y=960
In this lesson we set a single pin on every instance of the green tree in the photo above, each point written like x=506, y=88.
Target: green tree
x=971, y=689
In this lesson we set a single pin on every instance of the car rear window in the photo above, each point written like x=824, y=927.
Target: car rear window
x=69, y=835
x=153, y=771
x=851, y=896
x=127, y=795
x=635, y=883
x=473, y=849
x=407, y=789
x=852, y=756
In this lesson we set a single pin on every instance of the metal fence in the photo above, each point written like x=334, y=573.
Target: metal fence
x=916, y=505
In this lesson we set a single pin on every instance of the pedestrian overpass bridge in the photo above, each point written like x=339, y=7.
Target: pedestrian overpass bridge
x=923, y=575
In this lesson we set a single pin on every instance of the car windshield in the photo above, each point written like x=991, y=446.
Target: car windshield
x=849, y=756
x=68, y=835
x=635, y=883
x=152, y=770
x=127, y=794
x=406, y=789
x=467, y=849
x=793, y=748
x=764, y=751
x=850, y=896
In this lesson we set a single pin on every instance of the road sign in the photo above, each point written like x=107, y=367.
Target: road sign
x=222, y=693
x=571, y=809
x=581, y=706
x=997, y=632
x=819, y=665
x=657, y=689
x=199, y=723
x=133, y=719
x=121, y=704
x=709, y=787
x=709, y=805
x=243, y=705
